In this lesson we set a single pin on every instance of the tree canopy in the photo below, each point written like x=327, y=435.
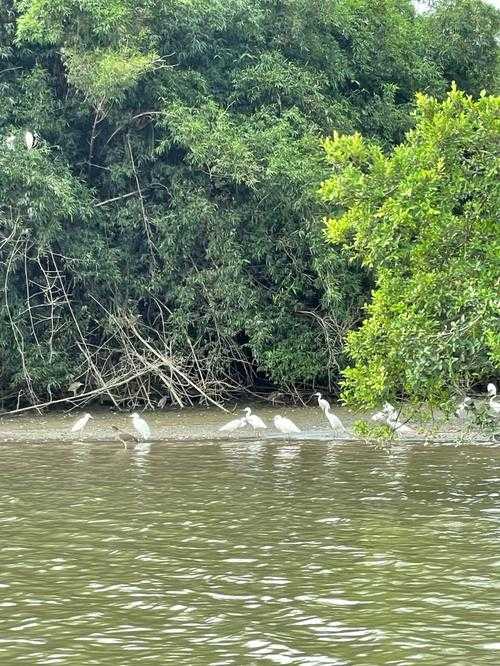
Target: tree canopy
x=424, y=219
x=164, y=236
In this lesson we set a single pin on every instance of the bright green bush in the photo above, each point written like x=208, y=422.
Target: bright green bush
x=424, y=219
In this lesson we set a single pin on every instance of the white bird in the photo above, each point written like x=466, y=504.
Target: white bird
x=334, y=421
x=389, y=409
x=494, y=399
x=462, y=409
x=253, y=420
x=324, y=404
x=380, y=417
x=80, y=424
x=140, y=425
x=284, y=425
x=230, y=426
x=389, y=415
x=399, y=427
x=29, y=139
x=10, y=141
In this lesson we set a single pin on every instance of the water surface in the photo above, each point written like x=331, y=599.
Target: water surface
x=249, y=552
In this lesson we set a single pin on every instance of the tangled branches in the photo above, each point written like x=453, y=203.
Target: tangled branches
x=111, y=355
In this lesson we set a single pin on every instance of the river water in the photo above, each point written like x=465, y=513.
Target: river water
x=220, y=551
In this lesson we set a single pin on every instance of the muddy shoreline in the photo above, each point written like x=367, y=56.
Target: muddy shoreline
x=202, y=425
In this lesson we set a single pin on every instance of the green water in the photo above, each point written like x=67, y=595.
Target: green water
x=309, y=553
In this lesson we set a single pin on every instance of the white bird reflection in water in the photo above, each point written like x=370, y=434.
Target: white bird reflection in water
x=243, y=449
x=289, y=452
x=81, y=452
x=243, y=456
x=140, y=454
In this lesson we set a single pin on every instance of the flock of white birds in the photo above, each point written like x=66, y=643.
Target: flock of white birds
x=387, y=415
x=282, y=424
x=141, y=427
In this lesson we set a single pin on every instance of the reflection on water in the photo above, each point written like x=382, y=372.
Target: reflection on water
x=304, y=553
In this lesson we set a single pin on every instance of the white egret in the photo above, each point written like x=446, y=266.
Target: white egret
x=284, y=425
x=389, y=409
x=80, y=424
x=253, y=420
x=141, y=425
x=392, y=420
x=494, y=399
x=398, y=426
x=380, y=417
x=230, y=426
x=29, y=139
x=324, y=404
x=389, y=416
x=462, y=409
x=335, y=423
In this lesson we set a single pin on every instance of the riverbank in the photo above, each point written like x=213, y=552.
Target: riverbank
x=202, y=424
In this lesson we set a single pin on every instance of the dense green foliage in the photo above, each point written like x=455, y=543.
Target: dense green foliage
x=166, y=223
x=424, y=219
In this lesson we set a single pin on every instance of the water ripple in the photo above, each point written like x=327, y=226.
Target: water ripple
x=249, y=553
